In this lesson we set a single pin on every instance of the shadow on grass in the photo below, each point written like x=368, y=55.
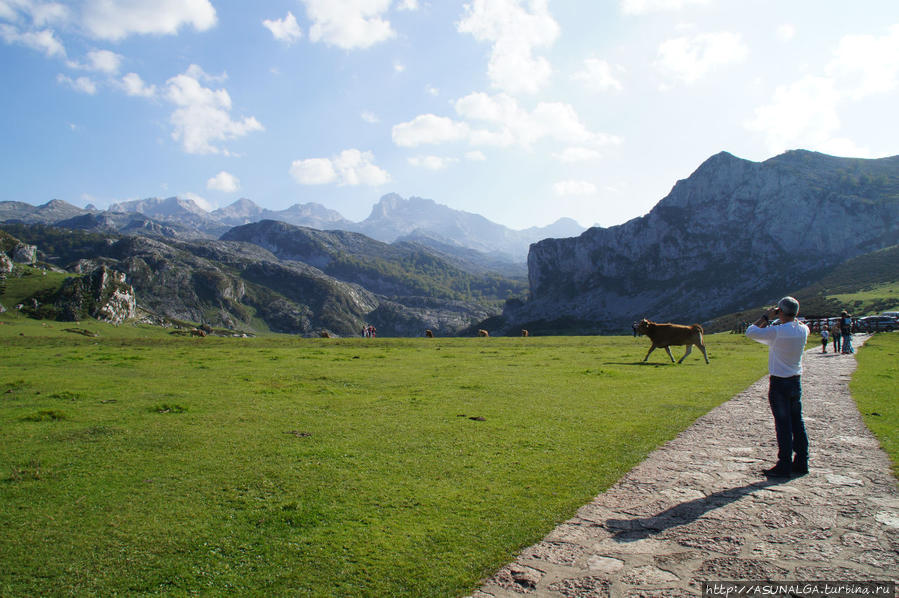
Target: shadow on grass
x=639, y=528
x=640, y=363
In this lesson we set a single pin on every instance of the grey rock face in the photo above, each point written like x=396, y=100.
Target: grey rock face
x=24, y=254
x=5, y=263
x=733, y=234
x=102, y=294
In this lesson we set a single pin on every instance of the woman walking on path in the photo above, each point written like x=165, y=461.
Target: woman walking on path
x=846, y=331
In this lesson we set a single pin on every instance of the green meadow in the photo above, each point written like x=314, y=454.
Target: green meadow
x=139, y=463
x=874, y=387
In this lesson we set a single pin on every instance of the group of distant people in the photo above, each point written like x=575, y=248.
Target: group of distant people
x=369, y=331
x=841, y=334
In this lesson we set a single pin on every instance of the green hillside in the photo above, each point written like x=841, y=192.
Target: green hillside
x=865, y=285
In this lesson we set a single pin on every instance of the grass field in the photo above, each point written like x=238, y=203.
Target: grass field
x=874, y=387
x=137, y=463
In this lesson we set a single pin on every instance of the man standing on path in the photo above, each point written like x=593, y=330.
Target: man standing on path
x=786, y=343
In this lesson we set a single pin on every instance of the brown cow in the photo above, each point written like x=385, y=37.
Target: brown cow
x=197, y=332
x=483, y=332
x=664, y=335
x=429, y=333
x=524, y=332
x=326, y=334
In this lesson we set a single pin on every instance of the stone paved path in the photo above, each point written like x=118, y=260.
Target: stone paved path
x=699, y=509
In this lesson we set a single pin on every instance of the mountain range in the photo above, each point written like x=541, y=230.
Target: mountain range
x=392, y=218
x=733, y=235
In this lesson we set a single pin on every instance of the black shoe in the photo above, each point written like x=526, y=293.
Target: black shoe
x=800, y=467
x=777, y=472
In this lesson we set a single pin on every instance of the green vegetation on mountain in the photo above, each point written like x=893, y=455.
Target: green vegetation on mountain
x=865, y=285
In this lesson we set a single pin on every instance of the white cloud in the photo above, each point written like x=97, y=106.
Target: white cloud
x=133, y=85
x=195, y=72
x=501, y=122
x=806, y=113
x=399, y=67
x=690, y=58
x=432, y=162
x=428, y=128
x=202, y=115
x=571, y=187
x=432, y=91
x=104, y=61
x=116, y=20
x=640, y=7
x=514, y=33
x=801, y=114
x=40, y=13
x=840, y=146
x=285, y=30
x=578, y=154
x=597, y=76
x=350, y=167
x=224, y=181
x=866, y=64
x=552, y=120
x=349, y=24
x=314, y=171
x=407, y=5
x=200, y=201
x=370, y=117
x=43, y=41
x=475, y=156
x=786, y=32
x=81, y=84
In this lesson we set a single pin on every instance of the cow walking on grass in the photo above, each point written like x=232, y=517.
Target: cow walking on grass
x=665, y=335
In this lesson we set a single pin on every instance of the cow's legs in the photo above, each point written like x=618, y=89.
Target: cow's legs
x=651, y=349
x=704, y=354
x=668, y=350
x=687, y=352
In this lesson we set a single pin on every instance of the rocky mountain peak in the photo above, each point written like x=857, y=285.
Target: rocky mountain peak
x=735, y=231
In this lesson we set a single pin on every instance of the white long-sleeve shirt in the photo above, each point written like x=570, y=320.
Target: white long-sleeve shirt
x=786, y=343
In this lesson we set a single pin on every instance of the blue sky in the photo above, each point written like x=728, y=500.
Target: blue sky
x=524, y=111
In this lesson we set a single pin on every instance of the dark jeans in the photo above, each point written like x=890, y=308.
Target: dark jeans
x=785, y=398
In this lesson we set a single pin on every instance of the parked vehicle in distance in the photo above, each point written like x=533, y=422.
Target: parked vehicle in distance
x=892, y=314
x=878, y=323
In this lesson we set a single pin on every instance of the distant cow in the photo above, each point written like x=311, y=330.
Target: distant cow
x=665, y=335
x=524, y=332
x=198, y=332
x=326, y=334
x=483, y=333
x=429, y=333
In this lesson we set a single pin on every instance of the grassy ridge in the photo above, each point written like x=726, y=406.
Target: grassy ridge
x=141, y=464
x=874, y=388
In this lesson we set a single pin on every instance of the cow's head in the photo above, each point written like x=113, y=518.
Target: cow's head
x=642, y=327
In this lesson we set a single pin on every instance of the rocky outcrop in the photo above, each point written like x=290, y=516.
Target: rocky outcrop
x=102, y=294
x=5, y=264
x=735, y=233
x=24, y=254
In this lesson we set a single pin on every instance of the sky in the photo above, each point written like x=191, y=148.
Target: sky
x=524, y=111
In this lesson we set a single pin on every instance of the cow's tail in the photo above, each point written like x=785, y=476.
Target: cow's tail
x=698, y=328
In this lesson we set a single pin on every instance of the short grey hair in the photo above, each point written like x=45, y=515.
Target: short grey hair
x=789, y=306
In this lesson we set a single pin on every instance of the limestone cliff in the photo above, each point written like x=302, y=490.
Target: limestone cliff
x=735, y=233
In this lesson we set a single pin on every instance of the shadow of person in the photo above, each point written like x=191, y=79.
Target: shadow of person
x=639, y=528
